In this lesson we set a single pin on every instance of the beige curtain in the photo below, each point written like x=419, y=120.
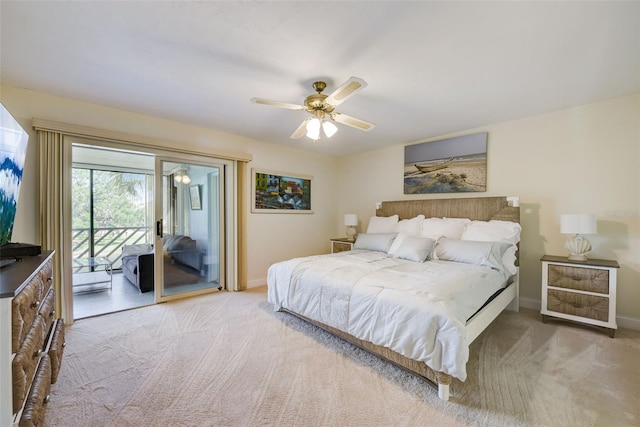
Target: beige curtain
x=52, y=207
x=243, y=191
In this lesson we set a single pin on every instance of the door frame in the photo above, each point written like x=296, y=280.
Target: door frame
x=226, y=210
x=115, y=140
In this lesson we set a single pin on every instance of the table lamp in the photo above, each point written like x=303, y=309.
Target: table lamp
x=351, y=220
x=578, y=224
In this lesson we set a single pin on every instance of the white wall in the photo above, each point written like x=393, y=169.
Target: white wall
x=271, y=237
x=580, y=160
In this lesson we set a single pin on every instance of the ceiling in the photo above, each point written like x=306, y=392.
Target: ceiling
x=432, y=68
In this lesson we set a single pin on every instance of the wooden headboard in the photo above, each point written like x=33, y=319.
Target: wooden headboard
x=475, y=208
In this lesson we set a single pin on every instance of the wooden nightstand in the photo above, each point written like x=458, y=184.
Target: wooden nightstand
x=341, y=244
x=582, y=291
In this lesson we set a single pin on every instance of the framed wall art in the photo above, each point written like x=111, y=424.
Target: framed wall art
x=280, y=192
x=194, y=195
x=452, y=165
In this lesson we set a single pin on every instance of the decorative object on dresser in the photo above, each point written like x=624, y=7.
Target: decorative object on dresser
x=351, y=221
x=341, y=244
x=578, y=224
x=581, y=291
x=31, y=340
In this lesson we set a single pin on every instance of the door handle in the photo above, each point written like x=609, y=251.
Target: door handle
x=159, y=228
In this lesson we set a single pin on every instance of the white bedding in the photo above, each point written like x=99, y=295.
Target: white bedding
x=416, y=309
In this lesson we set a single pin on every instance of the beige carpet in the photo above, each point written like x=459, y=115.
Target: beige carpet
x=227, y=359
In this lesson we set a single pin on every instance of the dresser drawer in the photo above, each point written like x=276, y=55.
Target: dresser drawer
x=576, y=304
x=26, y=360
x=579, y=278
x=47, y=309
x=33, y=414
x=56, y=349
x=24, y=309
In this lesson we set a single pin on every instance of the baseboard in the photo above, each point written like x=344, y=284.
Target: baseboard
x=623, y=322
x=628, y=323
x=530, y=303
x=256, y=282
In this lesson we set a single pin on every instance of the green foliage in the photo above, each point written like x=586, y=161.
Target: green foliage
x=118, y=199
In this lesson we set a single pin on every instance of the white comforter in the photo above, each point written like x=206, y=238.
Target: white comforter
x=416, y=309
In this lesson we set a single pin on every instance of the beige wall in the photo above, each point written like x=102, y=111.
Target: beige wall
x=271, y=237
x=580, y=160
x=583, y=159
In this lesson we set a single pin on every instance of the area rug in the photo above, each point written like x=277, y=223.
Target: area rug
x=227, y=359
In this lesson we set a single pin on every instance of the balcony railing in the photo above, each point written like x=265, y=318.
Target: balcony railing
x=108, y=242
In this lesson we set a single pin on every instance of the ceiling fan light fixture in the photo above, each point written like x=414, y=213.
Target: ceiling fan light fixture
x=313, y=129
x=322, y=106
x=329, y=129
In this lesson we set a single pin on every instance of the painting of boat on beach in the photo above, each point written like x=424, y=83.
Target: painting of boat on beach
x=452, y=165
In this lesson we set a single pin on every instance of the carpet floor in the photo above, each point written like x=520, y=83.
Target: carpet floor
x=227, y=359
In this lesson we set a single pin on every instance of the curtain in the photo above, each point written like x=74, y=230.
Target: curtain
x=53, y=164
x=242, y=195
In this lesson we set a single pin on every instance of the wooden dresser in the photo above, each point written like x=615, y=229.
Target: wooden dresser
x=582, y=291
x=31, y=340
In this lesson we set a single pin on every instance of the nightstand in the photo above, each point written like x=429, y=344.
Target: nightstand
x=341, y=244
x=582, y=291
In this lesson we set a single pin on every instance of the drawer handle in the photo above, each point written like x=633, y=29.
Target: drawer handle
x=50, y=279
x=53, y=313
x=46, y=399
x=37, y=353
x=64, y=344
x=35, y=304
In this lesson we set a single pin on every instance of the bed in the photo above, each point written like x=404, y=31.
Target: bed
x=424, y=281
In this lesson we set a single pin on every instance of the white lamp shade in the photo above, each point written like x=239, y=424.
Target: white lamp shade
x=313, y=129
x=578, y=224
x=329, y=129
x=351, y=219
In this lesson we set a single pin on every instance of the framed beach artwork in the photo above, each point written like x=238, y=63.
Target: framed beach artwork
x=451, y=165
x=280, y=192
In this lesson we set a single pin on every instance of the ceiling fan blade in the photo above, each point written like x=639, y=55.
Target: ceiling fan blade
x=345, y=91
x=352, y=121
x=302, y=129
x=277, y=104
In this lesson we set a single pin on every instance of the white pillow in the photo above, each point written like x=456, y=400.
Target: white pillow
x=382, y=224
x=412, y=227
x=414, y=248
x=496, y=231
x=492, y=231
x=487, y=254
x=380, y=242
x=450, y=228
x=509, y=259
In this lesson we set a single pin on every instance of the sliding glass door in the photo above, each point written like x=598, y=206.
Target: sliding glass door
x=189, y=228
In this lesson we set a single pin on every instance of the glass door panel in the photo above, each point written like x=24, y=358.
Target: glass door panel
x=189, y=239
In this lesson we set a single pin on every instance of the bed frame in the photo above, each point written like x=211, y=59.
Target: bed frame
x=477, y=208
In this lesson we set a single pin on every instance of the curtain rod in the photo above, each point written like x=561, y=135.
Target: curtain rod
x=138, y=140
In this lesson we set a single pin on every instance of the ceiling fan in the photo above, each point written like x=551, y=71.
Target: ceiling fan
x=321, y=107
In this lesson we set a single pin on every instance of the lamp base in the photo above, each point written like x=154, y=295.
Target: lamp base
x=351, y=233
x=578, y=248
